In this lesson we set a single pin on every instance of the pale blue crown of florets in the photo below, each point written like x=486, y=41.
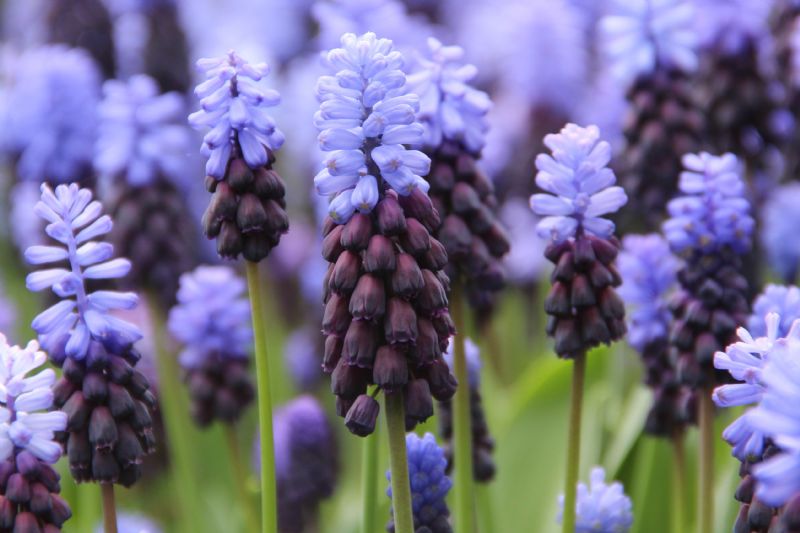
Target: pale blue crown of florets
x=366, y=117
x=600, y=507
x=779, y=222
x=212, y=317
x=141, y=132
x=713, y=212
x=640, y=35
x=473, y=356
x=449, y=107
x=233, y=104
x=580, y=184
x=429, y=482
x=21, y=397
x=74, y=220
x=649, y=272
x=780, y=299
x=778, y=419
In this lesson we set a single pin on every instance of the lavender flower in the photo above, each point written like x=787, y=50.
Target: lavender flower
x=301, y=357
x=524, y=263
x=133, y=523
x=785, y=301
x=778, y=230
x=600, y=507
x=212, y=321
x=429, y=484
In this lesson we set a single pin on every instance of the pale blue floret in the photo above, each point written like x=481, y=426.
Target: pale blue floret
x=74, y=220
x=580, y=184
x=713, y=212
x=142, y=135
x=649, y=274
x=22, y=397
x=473, y=354
x=233, y=105
x=450, y=108
x=779, y=222
x=212, y=316
x=780, y=299
x=133, y=523
x=366, y=116
x=600, y=507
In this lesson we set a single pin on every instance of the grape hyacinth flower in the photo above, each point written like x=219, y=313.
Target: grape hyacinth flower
x=649, y=272
x=246, y=213
x=483, y=467
x=141, y=158
x=386, y=317
x=525, y=263
x=601, y=507
x=212, y=321
x=650, y=46
x=583, y=306
x=780, y=299
x=107, y=401
x=453, y=115
x=785, y=29
x=429, y=485
x=30, y=485
x=85, y=24
x=778, y=231
x=133, y=523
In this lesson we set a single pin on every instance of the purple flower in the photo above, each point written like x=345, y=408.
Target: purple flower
x=580, y=185
x=525, y=262
x=302, y=357
x=600, y=507
x=133, y=523
x=473, y=355
x=783, y=300
x=779, y=225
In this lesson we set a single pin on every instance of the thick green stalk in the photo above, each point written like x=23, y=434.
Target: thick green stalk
x=706, y=493
x=175, y=409
x=240, y=477
x=678, y=483
x=462, y=423
x=109, y=508
x=269, y=497
x=398, y=463
x=574, y=442
x=369, y=482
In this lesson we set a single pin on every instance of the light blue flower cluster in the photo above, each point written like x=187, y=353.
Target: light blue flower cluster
x=779, y=222
x=49, y=113
x=233, y=104
x=642, y=35
x=366, y=116
x=22, y=427
x=212, y=317
x=600, y=507
x=473, y=356
x=713, y=212
x=449, y=107
x=141, y=132
x=580, y=184
x=66, y=328
x=780, y=299
x=429, y=482
x=132, y=523
x=649, y=274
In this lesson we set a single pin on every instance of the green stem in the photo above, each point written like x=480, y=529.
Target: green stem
x=574, y=442
x=175, y=408
x=240, y=477
x=462, y=423
x=398, y=463
x=269, y=504
x=109, y=508
x=484, y=496
x=369, y=482
x=678, y=483
x=706, y=493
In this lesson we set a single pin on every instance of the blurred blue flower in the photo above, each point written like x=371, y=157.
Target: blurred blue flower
x=580, y=185
x=729, y=24
x=49, y=113
x=233, y=105
x=649, y=274
x=525, y=261
x=783, y=300
x=713, y=212
x=450, y=107
x=212, y=316
x=640, y=35
x=22, y=426
x=779, y=222
x=141, y=132
x=366, y=117
x=429, y=482
x=74, y=219
x=302, y=358
x=600, y=507
x=473, y=354
x=133, y=523
x=8, y=313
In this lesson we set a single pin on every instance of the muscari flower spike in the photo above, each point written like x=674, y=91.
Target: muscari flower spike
x=212, y=322
x=429, y=485
x=453, y=114
x=30, y=485
x=649, y=272
x=583, y=306
x=780, y=299
x=107, y=401
x=779, y=222
x=600, y=507
x=247, y=210
x=386, y=319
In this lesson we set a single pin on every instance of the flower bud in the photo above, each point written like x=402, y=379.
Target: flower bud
x=416, y=240
x=368, y=301
x=390, y=217
x=357, y=232
x=362, y=415
x=380, y=255
x=407, y=278
x=360, y=344
x=400, y=324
